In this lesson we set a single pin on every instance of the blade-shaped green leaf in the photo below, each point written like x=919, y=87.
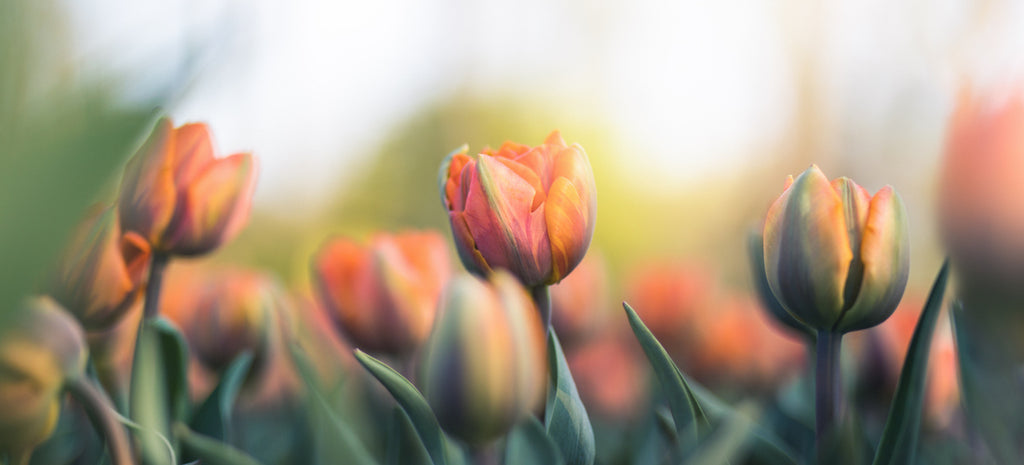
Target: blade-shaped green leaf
x=211, y=451
x=156, y=385
x=686, y=410
x=334, y=437
x=175, y=356
x=213, y=417
x=410, y=399
x=529, y=444
x=898, y=444
x=404, y=445
x=565, y=417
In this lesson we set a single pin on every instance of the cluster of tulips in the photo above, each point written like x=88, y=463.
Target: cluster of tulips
x=126, y=356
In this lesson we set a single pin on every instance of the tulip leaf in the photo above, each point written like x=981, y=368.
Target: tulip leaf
x=404, y=445
x=686, y=409
x=158, y=386
x=414, y=405
x=213, y=417
x=899, y=438
x=210, y=451
x=529, y=444
x=334, y=435
x=565, y=417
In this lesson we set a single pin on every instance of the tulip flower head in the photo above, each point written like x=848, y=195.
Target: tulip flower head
x=102, y=272
x=982, y=190
x=39, y=352
x=485, y=364
x=836, y=257
x=383, y=295
x=528, y=210
x=181, y=198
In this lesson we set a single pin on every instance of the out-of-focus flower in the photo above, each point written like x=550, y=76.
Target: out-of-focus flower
x=734, y=343
x=611, y=375
x=383, y=295
x=102, y=272
x=981, y=190
x=669, y=297
x=330, y=354
x=181, y=198
x=528, y=210
x=769, y=303
x=836, y=257
x=580, y=303
x=40, y=350
x=485, y=364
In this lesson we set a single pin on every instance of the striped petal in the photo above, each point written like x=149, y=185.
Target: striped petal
x=807, y=250
x=567, y=228
x=148, y=196
x=885, y=256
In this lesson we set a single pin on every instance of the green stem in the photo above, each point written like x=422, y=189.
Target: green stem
x=103, y=417
x=157, y=266
x=542, y=297
x=827, y=396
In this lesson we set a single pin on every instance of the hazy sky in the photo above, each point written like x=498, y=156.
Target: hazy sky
x=313, y=85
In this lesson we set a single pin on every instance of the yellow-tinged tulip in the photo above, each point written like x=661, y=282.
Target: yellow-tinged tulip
x=485, y=364
x=836, y=257
x=102, y=272
x=383, y=295
x=181, y=198
x=982, y=190
x=528, y=210
x=40, y=350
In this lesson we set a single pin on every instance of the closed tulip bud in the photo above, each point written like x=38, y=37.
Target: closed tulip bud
x=383, y=296
x=181, y=198
x=234, y=313
x=528, y=210
x=982, y=191
x=485, y=365
x=40, y=350
x=102, y=272
x=836, y=257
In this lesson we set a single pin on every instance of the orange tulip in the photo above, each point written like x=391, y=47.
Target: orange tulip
x=528, y=210
x=982, y=189
x=669, y=297
x=102, y=272
x=485, y=366
x=181, y=198
x=611, y=374
x=383, y=296
x=836, y=257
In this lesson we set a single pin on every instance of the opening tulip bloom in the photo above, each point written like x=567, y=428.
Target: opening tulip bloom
x=181, y=198
x=383, y=296
x=836, y=257
x=485, y=366
x=102, y=272
x=528, y=210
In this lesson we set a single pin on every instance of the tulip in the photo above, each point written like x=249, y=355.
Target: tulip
x=39, y=352
x=234, y=313
x=528, y=210
x=836, y=257
x=611, y=375
x=669, y=297
x=181, y=198
x=485, y=365
x=383, y=295
x=102, y=272
x=982, y=190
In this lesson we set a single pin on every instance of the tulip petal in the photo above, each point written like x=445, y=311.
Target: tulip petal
x=555, y=139
x=465, y=245
x=449, y=179
x=572, y=164
x=213, y=209
x=807, y=250
x=567, y=228
x=507, y=231
x=146, y=202
x=193, y=152
x=528, y=175
x=885, y=254
x=342, y=284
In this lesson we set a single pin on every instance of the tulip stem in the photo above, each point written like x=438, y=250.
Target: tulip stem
x=103, y=417
x=827, y=397
x=157, y=266
x=542, y=298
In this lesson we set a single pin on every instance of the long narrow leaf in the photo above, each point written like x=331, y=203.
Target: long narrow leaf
x=410, y=399
x=211, y=451
x=213, y=417
x=529, y=444
x=565, y=417
x=899, y=438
